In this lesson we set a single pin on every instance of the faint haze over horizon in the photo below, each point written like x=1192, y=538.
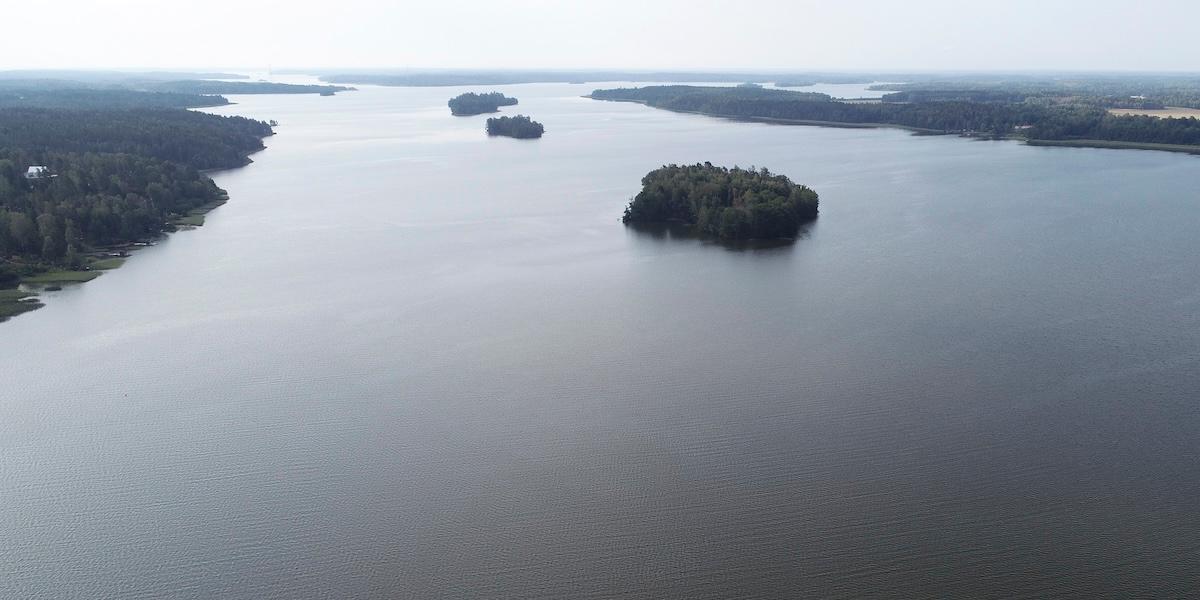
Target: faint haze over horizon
x=798, y=35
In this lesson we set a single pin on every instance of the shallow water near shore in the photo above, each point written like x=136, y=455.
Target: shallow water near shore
x=409, y=360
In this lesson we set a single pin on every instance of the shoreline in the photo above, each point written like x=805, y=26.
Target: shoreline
x=1101, y=144
x=24, y=296
x=782, y=121
x=1116, y=145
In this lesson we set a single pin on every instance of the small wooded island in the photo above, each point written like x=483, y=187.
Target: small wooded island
x=729, y=204
x=470, y=103
x=519, y=126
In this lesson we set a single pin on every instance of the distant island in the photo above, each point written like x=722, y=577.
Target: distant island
x=519, y=126
x=471, y=103
x=728, y=204
x=1043, y=118
x=86, y=174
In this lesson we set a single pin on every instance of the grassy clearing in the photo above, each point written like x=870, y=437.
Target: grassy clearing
x=189, y=221
x=104, y=264
x=62, y=277
x=15, y=302
x=14, y=295
x=195, y=217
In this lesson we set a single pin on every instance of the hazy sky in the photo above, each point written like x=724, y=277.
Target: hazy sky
x=635, y=34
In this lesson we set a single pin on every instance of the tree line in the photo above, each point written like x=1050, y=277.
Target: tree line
x=1032, y=118
x=53, y=95
x=1109, y=91
x=201, y=140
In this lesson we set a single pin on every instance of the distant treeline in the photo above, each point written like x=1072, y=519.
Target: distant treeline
x=93, y=76
x=450, y=78
x=196, y=86
x=1108, y=91
x=53, y=93
x=1030, y=119
x=196, y=139
x=471, y=103
x=53, y=96
x=730, y=204
x=519, y=126
x=919, y=95
x=114, y=175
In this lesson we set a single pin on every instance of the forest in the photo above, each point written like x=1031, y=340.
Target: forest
x=115, y=175
x=198, y=86
x=729, y=204
x=1108, y=91
x=1035, y=119
x=519, y=126
x=53, y=96
x=134, y=93
x=471, y=103
x=199, y=140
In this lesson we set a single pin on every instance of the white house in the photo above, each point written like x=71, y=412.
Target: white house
x=37, y=172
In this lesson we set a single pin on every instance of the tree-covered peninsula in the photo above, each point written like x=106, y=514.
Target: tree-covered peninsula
x=1061, y=121
x=471, y=103
x=101, y=171
x=519, y=126
x=729, y=204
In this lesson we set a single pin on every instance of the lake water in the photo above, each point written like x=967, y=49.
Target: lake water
x=409, y=361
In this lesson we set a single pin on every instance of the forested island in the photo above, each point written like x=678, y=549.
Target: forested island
x=98, y=170
x=471, y=103
x=981, y=113
x=729, y=204
x=519, y=126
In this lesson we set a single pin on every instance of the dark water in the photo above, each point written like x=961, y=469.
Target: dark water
x=408, y=361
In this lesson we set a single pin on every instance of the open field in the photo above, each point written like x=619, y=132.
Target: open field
x=1170, y=112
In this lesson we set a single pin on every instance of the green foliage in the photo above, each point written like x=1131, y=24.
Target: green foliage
x=1107, y=91
x=1033, y=119
x=58, y=94
x=471, y=103
x=200, y=140
x=94, y=200
x=730, y=204
x=15, y=302
x=688, y=97
x=787, y=105
x=119, y=174
x=130, y=93
x=198, y=86
x=519, y=126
